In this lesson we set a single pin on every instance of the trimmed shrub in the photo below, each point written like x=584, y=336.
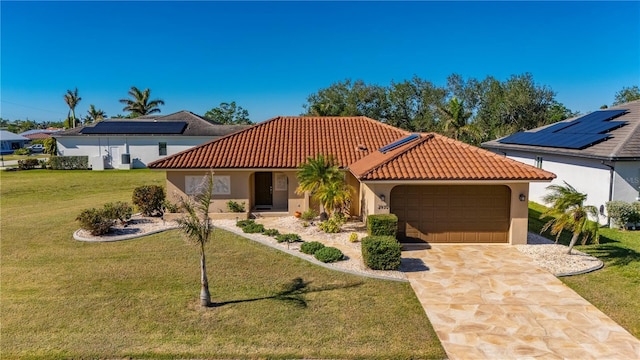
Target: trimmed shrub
x=28, y=164
x=309, y=215
x=329, y=254
x=381, y=252
x=621, y=213
x=253, y=228
x=243, y=223
x=288, y=238
x=118, y=210
x=233, y=206
x=330, y=226
x=96, y=221
x=353, y=237
x=382, y=225
x=69, y=162
x=22, y=151
x=311, y=247
x=271, y=232
x=149, y=199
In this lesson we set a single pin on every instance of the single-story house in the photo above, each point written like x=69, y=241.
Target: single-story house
x=133, y=143
x=598, y=154
x=442, y=190
x=37, y=134
x=10, y=142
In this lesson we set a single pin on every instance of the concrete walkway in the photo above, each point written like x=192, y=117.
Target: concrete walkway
x=491, y=302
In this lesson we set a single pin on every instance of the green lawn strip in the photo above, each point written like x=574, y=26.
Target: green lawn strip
x=139, y=298
x=615, y=289
x=23, y=157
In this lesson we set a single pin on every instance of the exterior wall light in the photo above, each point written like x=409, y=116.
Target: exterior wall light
x=522, y=197
x=382, y=197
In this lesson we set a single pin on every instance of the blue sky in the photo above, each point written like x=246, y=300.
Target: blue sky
x=269, y=56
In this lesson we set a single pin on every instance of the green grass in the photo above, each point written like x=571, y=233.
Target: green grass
x=22, y=157
x=615, y=289
x=62, y=298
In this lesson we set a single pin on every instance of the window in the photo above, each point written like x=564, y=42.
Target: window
x=539, y=162
x=162, y=148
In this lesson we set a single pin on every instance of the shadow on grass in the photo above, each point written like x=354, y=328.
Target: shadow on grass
x=292, y=292
x=612, y=254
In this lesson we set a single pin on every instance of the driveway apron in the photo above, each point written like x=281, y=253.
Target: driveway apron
x=492, y=302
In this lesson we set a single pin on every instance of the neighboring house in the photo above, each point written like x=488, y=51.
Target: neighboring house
x=598, y=154
x=133, y=143
x=9, y=142
x=442, y=190
x=36, y=134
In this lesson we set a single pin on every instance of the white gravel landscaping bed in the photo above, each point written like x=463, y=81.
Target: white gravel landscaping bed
x=554, y=258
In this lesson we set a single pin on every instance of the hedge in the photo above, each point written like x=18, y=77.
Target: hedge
x=69, y=162
x=381, y=252
x=382, y=225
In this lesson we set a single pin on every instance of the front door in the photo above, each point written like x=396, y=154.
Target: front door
x=264, y=189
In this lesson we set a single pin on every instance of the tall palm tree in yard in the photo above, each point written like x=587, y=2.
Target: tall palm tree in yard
x=94, y=115
x=72, y=99
x=568, y=212
x=139, y=103
x=315, y=174
x=455, y=122
x=197, y=227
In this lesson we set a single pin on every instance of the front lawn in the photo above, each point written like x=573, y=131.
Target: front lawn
x=139, y=298
x=615, y=289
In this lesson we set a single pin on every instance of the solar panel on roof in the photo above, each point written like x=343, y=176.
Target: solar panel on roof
x=576, y=134
x=398, y=143
x=136, y=127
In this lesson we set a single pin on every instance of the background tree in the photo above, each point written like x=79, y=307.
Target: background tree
x=72, y=99
x=569, y=212
x=455, y=122
x=139, y=103
x=94, y=115
x=197, y=228
x=626, y=95
x=315, y=174
x=228, y=113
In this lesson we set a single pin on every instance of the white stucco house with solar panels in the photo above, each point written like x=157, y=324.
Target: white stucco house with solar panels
x=126, y=144
x=598, y=154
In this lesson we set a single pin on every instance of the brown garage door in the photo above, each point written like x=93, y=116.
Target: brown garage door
x=452, y=213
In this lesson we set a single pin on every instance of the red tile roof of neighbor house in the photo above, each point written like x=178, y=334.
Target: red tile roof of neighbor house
x=436, y=157
x=286, y=142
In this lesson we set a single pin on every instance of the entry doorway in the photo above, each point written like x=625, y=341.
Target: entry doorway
x=264, y=190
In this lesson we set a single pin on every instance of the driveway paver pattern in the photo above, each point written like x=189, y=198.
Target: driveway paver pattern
x=492, y=302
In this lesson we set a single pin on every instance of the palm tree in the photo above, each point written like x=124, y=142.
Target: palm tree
x=139, y=104
x=72, y=99
x=569, y=212
x=335, y=194
x=315, y=173
x=197, y=227
x=455, y=122
x=94, y=115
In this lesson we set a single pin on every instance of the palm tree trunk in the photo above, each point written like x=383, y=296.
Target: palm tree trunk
x=574, y=239
x=205, y=296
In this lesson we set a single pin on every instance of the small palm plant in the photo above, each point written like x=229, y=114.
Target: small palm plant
x=568, y=212
x=315, y=174
x=197, y=227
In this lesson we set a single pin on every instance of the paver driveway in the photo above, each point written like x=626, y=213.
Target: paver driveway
x=492, y=302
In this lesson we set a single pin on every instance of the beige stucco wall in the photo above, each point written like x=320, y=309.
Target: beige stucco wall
x=371, y=201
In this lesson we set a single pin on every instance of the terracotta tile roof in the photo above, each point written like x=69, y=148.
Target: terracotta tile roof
x=286, y=142
x=436, y=157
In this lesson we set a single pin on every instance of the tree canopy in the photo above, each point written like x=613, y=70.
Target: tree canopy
x=627, y=94
x=228, y=113
x=139, y=103
x=72, y=99
x=483, y=109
